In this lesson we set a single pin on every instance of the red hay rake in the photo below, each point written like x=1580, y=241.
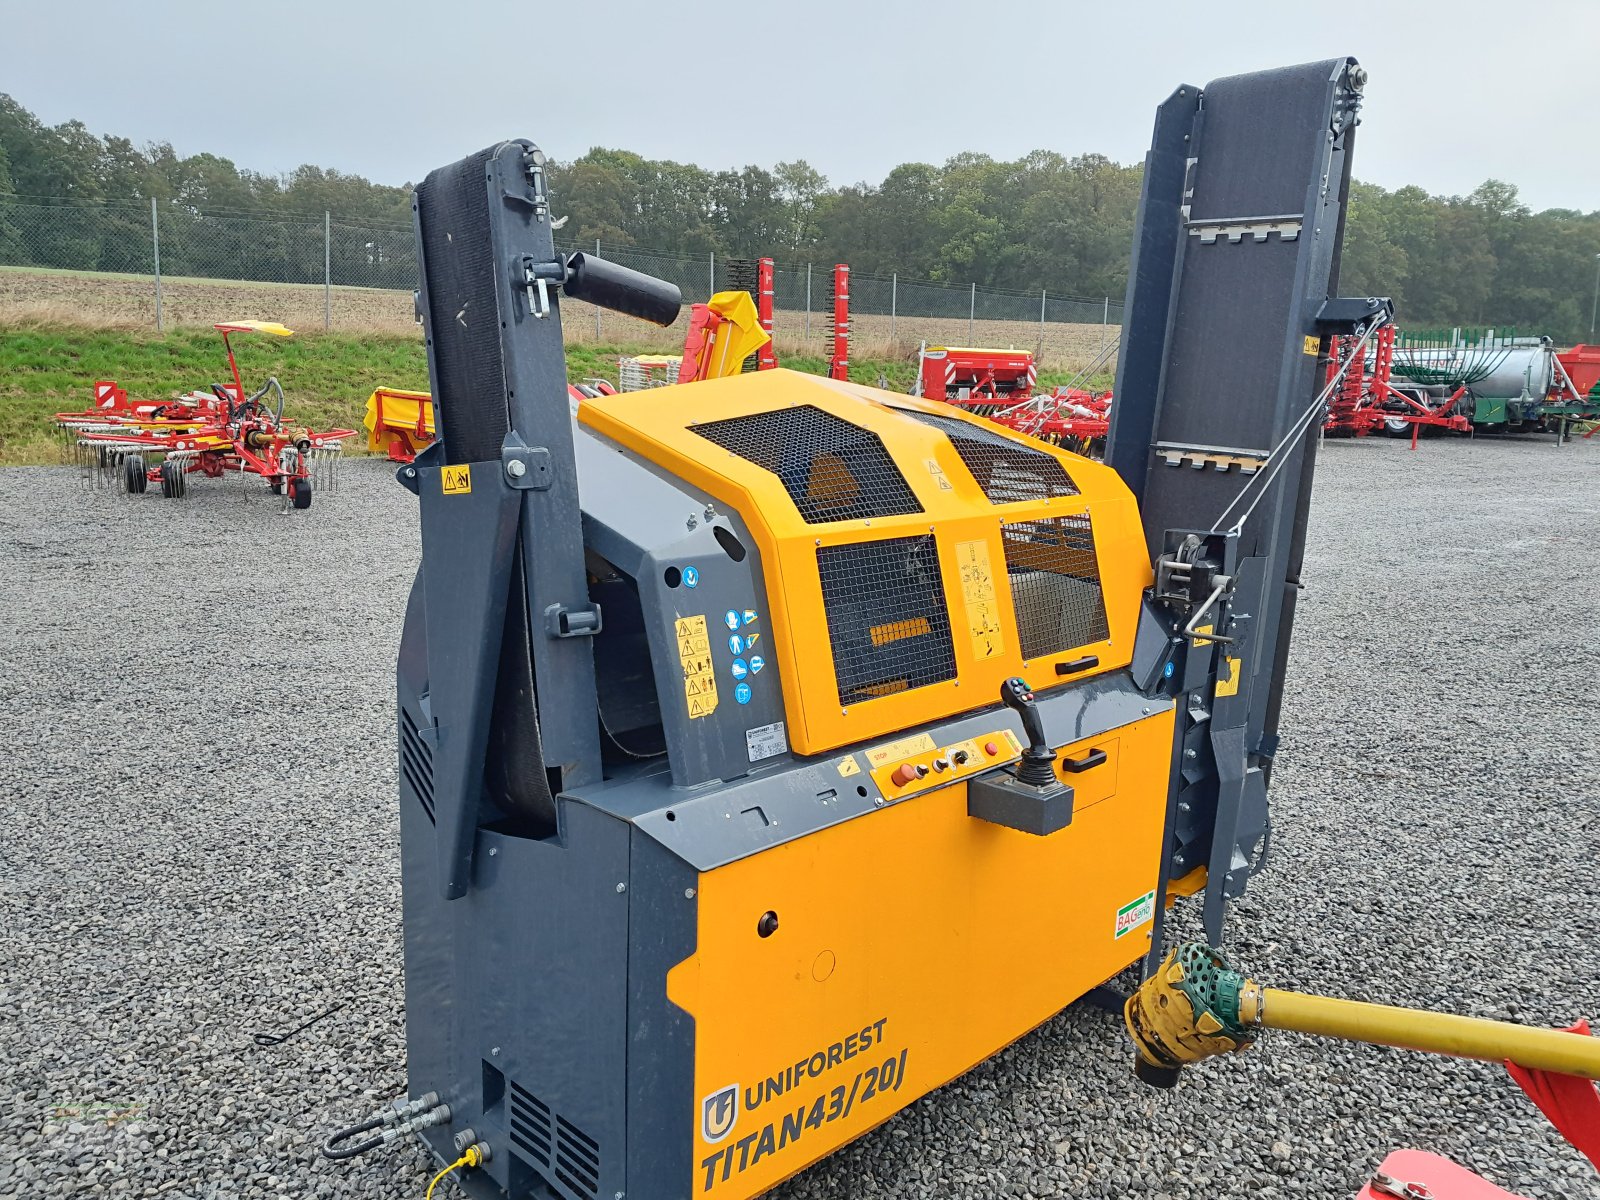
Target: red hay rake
x=133, y=444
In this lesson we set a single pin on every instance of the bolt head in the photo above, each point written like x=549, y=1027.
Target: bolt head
x=621, y=887
x=688, y=893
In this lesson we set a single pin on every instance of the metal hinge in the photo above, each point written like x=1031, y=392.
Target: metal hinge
x=1236, y=229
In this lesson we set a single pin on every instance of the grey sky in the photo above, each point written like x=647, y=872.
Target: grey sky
x=1460, y=91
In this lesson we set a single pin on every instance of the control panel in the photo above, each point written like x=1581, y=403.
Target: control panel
x=914, y=765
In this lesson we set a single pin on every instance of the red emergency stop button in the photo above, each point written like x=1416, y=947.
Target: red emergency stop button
x=991, y=749
x=905, y=774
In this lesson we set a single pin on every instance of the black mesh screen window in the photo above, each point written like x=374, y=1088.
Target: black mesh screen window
x=832, y=470
x=1055, y=585
x=1006, y=471
x=887, y=620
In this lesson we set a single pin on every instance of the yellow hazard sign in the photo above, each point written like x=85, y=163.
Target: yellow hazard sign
x=699, y=673
x=849, y=767
x=938, y=474
x=977, y=589
x=1313, y=346
x=457, y=480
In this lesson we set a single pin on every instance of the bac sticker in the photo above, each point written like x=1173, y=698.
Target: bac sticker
x=691, y=577
x=456, y=480
x=731, y=619
x=736, y=644
x=766, y=741
x=750, y=639
x=756, y=663
x=740, y=668
x=750, y=616
x=1136, y=913
x=741, y=693
x=699, y=677
x=977, y=589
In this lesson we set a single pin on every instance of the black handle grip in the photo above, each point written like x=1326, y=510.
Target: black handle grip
x=632, y=293
x=1092, y=759
x=1078, y=664
x=1016, y=695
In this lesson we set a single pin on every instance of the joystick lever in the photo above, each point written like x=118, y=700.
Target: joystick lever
x=1037, y=768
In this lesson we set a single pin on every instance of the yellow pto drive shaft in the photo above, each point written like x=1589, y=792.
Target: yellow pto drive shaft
x=1196, y=1006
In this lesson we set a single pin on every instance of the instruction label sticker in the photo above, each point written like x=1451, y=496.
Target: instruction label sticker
x=977, y=590
x=921, y=743
x=699, y=675
x=849, y=767
x=456, y=480
x=1313, y=346
x=766, y=741
x=1136, y=913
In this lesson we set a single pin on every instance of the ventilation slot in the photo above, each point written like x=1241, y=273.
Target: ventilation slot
x=887, y=620
x=832, y=470
x=1055, y=585
x=530, y=1125
x=1006, y=471
x=577, y=1159
x=554, y=1144
x=416, y=762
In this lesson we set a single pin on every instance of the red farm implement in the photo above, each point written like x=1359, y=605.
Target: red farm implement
x=998, y=384
x=209, y=433
x=973, y=377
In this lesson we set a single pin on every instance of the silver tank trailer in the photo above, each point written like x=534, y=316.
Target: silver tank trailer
x=1511, y=368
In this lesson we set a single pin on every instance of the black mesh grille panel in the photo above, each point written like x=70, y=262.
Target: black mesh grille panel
x=1055, y=585
x=1007, y=472
x=887, y=620
x=832, y=470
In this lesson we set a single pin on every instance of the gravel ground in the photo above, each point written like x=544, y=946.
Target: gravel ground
x=1436, y=844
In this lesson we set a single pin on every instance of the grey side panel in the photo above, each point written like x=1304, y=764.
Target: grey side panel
x=662, y=1106
x=649, y=524
x=517, y=1006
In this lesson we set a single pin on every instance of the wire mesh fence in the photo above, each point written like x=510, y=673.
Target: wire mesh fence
x=175, y=264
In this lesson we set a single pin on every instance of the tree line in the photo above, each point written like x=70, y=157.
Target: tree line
x=1042, y=221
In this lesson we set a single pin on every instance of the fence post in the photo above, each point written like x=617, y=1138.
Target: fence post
x=808, y=303
x=155, y=249
x=1105, y=318
x=713, y=290
x=972, y=313
x=598, y=336
x=894, y=303
x=1043, y=292
x=327, y=271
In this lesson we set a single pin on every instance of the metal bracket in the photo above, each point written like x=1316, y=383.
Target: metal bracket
x=1354, y=315
x=563, y=622
x=527, y=468
x=536, y=279
x=1236, y=229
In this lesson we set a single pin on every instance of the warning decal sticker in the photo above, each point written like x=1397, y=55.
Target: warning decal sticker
x=977, y=589
x=457, y=480
x=699, y=677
